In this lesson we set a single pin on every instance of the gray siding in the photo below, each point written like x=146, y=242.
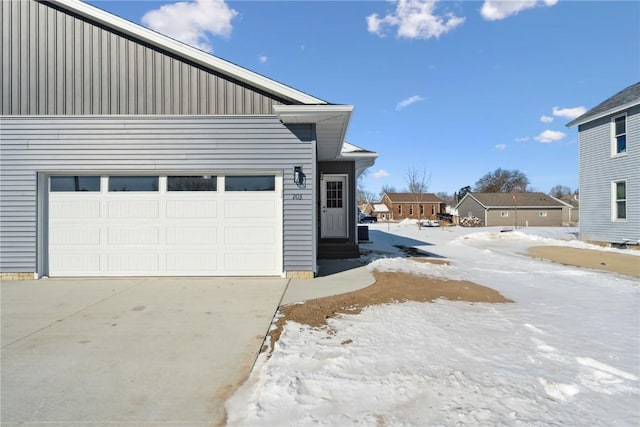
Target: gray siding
x=597, y=171
x=471, y=206
x=525, y=217
x=32, y=145
x=491, y=217
x=57, y=64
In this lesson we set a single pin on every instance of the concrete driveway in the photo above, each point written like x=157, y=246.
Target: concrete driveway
x=135, y=351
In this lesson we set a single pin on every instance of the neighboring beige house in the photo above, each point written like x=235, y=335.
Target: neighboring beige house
x=514, y=209
x=413, y=206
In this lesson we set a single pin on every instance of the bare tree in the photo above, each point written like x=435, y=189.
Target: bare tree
x=386, y=189
x=502, y=181
x=366, y=196
x=363, y=194
x=449, y=199
x=560, y=191
x=417, y=185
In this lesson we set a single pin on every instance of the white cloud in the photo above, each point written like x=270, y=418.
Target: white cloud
x=494, y=10
x=192, y=22
x=569, y=113
x=414, y=19
x=380, y=174
x=501, y=146
x=408, y=101
x=522, y=139
x=546, y=119
x=549, y=136
x=263, y=58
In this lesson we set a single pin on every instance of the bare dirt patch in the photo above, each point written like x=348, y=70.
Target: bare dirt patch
x=389, y=287
x=598, y=260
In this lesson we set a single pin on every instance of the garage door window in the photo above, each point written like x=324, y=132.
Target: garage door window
x=75, y=183
x=133, y=183
x=192, y=183
x=250, y=183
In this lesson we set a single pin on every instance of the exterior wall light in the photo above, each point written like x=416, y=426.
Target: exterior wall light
x=299, y=178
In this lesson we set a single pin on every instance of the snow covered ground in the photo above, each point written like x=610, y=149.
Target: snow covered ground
x=567, y=352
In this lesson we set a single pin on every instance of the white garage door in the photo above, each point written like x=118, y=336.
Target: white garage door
x=165, y=225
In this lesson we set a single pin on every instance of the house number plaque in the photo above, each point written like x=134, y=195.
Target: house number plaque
x=297, y=196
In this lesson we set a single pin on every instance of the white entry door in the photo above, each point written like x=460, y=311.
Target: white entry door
x=333, y=199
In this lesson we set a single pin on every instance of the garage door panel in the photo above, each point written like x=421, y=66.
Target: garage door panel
x=76, y=235
x=78, y=209
x=192, y=209
x=76, y=262
x=133, y=235
x=247, y=235
x=134, y=262
x=192, y=236
x=249, y=262
x=134, y=209
x=248, y=209
x=194, y=262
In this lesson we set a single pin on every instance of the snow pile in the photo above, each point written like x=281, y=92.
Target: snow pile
x=567, y=352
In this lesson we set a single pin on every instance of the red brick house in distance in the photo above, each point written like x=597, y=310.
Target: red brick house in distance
x=413, y=206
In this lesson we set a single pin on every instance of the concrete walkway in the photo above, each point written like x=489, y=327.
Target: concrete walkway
x=135, y=352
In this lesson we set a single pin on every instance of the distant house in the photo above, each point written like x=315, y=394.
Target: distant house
x=413, y=206
x=609, y=168
x=379, y=210
x=513, y=209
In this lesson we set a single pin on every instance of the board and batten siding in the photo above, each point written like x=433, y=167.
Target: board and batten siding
x=598, y=169
x=148, y=144
x=54, y=63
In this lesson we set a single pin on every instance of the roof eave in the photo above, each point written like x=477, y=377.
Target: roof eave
x=585, y=118
x=331, y=123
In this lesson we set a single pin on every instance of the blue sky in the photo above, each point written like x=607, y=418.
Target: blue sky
x=453, y=88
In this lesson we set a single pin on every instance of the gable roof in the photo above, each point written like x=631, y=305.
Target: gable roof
x=413, y=198
x=622, y=100
x=204, y=59
x=522, y=200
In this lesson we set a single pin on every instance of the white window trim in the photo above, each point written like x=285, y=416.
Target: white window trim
x=614, y=142
x=614, y=200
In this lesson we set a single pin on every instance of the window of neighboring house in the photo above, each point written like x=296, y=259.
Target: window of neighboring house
x=421, y=210
x=75, y=183
x=133, y=183
x=542, y=213
x=504, y=214
x=410, y=210
x=620, y=134
x=619, y=200
x=433, y=209
x=399, y=209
